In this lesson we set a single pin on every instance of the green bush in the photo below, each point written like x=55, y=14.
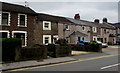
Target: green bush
x=91, y=47
x=61, y=42
x=9, y=48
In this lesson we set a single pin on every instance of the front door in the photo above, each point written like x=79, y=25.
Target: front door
x=21, y=36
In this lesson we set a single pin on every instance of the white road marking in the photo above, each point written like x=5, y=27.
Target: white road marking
x=110, y=66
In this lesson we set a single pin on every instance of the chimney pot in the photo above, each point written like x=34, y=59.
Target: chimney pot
x=96, y=20
x=104, y=20
x=77, y=16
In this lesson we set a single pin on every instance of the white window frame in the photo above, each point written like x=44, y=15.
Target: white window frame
x=9, y=16
x=94, y=30
x=19, y=20
x=55, y=36
x=49, y=25
x=49, y=42
x=82, y=28
x=83, y=37
x=21, y=32
x=7, y=31
x=68, y=27
x=95, y=38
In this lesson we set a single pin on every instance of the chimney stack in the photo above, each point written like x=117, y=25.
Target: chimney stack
x=77, y=16
x=96, y=20
x=104, y=20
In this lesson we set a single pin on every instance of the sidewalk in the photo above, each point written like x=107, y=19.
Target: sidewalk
x=24, y=64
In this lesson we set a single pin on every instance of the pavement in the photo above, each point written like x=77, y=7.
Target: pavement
x=25, y=64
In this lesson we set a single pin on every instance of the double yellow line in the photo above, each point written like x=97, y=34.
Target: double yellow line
x=93, y=58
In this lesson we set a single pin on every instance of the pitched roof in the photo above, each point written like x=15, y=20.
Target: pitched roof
x=47, y=17
x=83, y=22
x=16, y=8
x=107, y=25
x=88, y=23
x=117, y=25
x=78, y=33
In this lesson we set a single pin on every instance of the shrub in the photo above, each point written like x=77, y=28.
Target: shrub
x=9, y=48
x=92, y=47
x=61, y=42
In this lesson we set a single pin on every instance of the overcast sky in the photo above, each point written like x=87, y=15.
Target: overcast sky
x=87, y=10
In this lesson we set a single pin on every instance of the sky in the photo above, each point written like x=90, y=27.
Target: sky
x=88, y=10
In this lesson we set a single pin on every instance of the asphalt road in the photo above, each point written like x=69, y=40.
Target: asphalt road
x=90, y=62
x=106, y=61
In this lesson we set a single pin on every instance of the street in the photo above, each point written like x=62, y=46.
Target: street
x=106, y=61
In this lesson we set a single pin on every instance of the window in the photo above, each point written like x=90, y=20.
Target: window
x=46, y=39
x=55, y=38
x=4, y=34
x=5, y=18
x=94, y=29
x=94, y=38
x=46, y=25
x=105, y=31
x=22, y=20
x=67, y=27
x=82, y=38
x=83, y=28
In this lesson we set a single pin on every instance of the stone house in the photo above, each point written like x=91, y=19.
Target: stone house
x=17, y=21
x=108, y=32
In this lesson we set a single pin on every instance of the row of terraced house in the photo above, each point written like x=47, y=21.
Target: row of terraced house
x=18, y=21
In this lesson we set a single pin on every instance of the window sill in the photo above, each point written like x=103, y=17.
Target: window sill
x=22, y=26
x=47, y=29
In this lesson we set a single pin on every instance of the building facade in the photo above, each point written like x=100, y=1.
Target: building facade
x=17, y=22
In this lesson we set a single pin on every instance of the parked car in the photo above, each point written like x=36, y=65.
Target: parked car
x=82, y=42
x=104, y=45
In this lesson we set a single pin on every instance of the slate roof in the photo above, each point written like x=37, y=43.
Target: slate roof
x=47, y=17
x=16, y=8
x=88, y=23
x=78, y=33
x=117, y=25
x=83, y=22
x=107, y=25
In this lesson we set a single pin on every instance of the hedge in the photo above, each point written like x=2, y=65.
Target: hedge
x=89, y=48
x=10, y=46
x=59, y=50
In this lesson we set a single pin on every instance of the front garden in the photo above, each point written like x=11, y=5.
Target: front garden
x=12, y=50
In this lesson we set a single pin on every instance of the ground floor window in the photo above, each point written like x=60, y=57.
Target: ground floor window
x=46, y=39
x=22, y=35
x=82, y=38
x=4, y=34
x=94, y=38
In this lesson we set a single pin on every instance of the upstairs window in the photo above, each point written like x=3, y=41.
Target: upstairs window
x=94, y=29
x=83, y=28
x=46, y=25
x=67, y=27
x=5, y=18
x=22, y=20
